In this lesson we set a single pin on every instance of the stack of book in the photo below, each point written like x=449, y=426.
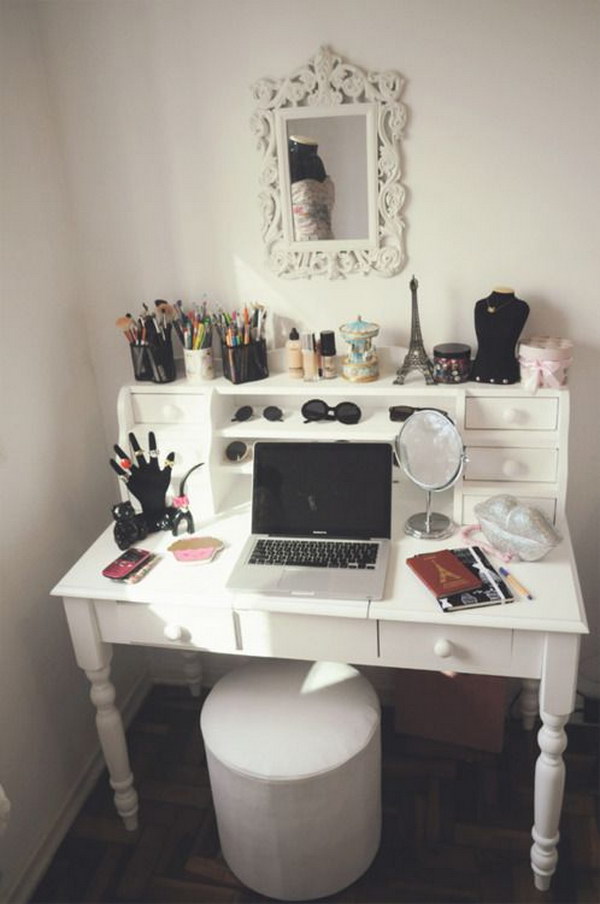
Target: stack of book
x=461, y=578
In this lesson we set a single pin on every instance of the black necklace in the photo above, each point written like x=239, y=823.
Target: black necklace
x=493, y=308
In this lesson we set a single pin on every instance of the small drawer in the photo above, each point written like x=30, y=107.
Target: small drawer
x=167, y=626
x=511, y=414
x=511, y=464
x=482, y=651
x=318, y=637
x=545, y=504
x=167, y=408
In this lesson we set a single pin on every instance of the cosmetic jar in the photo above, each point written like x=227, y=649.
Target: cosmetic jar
x=451, y=362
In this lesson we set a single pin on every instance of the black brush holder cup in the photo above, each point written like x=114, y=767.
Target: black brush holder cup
x=154, y=362
x=141, y=362
x=162, y=361
x=245, y=363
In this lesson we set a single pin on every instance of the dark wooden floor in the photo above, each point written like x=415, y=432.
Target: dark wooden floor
x=456, y=823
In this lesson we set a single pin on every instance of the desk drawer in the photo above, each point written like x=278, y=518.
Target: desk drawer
x=483, y=651
x=511, y=464
x=167, y=626
x=164, y=408
x=315, y=637
x=511, y=414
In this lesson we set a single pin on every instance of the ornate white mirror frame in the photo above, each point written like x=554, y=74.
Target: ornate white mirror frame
x=330, y=87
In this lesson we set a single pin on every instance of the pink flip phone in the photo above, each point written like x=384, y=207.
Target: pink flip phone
x=126, y=564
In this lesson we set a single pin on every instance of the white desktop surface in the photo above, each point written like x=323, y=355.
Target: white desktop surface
x=557, y=604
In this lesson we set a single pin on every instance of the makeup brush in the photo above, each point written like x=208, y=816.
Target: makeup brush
x=127, y=325
x=166, y=309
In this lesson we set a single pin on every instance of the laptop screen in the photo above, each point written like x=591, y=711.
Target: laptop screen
x=334, y=489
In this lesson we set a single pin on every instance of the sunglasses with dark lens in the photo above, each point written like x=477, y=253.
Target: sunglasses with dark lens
x=236, y=451
x=403, y=412
x=317, y=410
x=271, y=413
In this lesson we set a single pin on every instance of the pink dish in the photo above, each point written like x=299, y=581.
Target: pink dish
x=199, y=554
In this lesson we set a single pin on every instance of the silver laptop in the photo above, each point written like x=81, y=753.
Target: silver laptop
x=321, y=520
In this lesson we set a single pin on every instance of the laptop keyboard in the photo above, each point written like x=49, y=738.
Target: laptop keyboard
x=315, y=553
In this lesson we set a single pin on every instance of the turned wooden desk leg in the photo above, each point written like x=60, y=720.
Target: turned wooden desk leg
x=114, y=745
x=529, y=702
x=192, y=667
x=549, y=790
x=557, y=698
x=94, y=656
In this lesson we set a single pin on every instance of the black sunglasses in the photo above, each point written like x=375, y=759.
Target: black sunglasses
x=403, y=412
x=271, y=413
x=236, y=451
x=317, y=410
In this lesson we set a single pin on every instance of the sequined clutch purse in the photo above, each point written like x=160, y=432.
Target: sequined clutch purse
x=521, y=531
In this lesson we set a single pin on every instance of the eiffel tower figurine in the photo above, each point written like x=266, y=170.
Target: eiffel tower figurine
x=416, y=357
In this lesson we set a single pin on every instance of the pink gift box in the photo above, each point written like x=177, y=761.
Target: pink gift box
x=544, y=361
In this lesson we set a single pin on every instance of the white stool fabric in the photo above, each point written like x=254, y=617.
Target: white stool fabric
x=294, y=758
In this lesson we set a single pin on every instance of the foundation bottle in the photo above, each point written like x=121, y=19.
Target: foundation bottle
x=293, y=355
x=309, y=357
x=328, y=367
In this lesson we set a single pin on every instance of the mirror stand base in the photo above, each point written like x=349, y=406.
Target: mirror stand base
x=429, y=526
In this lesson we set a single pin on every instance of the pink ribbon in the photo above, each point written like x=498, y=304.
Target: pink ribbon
x=545, y=370
x=469, y=529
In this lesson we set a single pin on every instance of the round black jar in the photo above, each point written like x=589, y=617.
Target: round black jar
x=451, y=362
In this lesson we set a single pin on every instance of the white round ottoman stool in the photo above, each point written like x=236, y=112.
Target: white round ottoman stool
x=294, y=758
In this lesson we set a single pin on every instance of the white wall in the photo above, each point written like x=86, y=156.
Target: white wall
x=56, y=484
x=151, y=103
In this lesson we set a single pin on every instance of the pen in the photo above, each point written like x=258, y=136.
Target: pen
x=510, y=579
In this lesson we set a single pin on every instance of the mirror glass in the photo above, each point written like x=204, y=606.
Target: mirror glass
x=331, y=194
x=431, y=453
x=328, y=177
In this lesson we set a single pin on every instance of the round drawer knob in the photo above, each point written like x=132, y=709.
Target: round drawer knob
x=171, y=412
x=511, y=415
x=173, y=632
x=442, y=648
x=511, y=468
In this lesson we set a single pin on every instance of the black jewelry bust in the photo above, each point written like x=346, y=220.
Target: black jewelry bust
x=305, y=162
x=499, y=320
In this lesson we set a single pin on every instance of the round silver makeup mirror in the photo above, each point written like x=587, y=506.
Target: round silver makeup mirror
x=431, y=453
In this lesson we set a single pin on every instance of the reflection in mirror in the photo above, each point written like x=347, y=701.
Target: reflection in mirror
x=327, y=177
x=431, y=453
x=311, y=193
x=342, y=214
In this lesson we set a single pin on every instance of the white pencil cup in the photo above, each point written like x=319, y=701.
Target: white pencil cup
x=198, y=364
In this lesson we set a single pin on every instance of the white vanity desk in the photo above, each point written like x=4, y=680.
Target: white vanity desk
x=516, y=443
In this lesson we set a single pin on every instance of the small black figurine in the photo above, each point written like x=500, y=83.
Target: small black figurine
x=499, y=320
x=129, y=528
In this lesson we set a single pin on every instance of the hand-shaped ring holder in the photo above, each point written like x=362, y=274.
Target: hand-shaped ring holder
x=148, y=482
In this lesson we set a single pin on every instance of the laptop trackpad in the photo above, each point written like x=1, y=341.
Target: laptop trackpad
x=304, y=580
